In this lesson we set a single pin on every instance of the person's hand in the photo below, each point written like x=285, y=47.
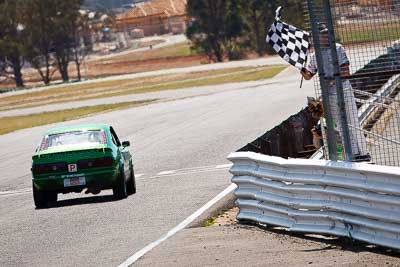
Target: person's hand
x=345, y=71
x=306, y=74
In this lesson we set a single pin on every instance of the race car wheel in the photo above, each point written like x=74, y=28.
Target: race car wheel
x=131, y=184
x=39, y=197
x=51, y=196
x=119, y=190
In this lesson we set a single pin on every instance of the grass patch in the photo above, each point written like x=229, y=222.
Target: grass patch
x=369, y=33
x=209, y=222
x=10, y=124
x=137, y=86
x=239, y=76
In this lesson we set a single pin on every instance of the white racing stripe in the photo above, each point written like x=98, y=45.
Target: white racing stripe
x=177, y=228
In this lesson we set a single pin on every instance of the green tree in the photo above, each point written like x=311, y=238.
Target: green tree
x=38, y=17
x=255, y=14
x=65, y=24
x=80, y=29
x=215, y=27
x=50, y=35
x=12, y=47
x=258, y=15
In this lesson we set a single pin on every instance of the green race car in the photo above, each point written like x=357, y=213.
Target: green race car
x=74, y=158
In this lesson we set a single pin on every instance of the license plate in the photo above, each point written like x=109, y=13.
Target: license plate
x=74, y=181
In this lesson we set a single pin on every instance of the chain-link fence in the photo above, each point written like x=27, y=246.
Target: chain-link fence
x=358, y=64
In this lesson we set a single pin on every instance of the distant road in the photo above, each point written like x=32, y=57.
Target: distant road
x=168, y=40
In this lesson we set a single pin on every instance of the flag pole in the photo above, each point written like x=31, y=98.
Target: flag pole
x=278, y=13
x=302, y=78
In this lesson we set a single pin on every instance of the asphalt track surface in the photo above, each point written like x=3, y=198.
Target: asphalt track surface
x=179, y=148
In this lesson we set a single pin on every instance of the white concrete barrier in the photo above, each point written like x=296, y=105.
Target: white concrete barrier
x=358, y=200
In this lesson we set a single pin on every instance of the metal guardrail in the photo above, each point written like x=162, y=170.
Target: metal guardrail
x=357, y=200
x=368, y=108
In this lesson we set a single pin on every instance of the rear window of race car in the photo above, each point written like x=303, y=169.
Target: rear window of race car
x=73, y=138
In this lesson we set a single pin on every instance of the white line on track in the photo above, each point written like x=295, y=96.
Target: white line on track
x=223, y=166
x=15, y=192
x=181, y=173
x=192, y=169
x=166, y=172
x=177, y=228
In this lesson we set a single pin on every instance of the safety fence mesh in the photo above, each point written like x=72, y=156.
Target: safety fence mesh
x=367, y=33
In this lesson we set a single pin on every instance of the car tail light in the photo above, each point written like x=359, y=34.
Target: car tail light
x=95, y=163
x=107, y=161
x=49, y=168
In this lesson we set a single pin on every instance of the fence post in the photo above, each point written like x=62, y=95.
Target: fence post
x=338, y=81
x=331, y=136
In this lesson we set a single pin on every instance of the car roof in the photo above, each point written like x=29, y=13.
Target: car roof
x=76, y=128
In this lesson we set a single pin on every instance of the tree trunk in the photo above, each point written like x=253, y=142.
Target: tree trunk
x=77, y=63
x=78, y=70
x=46, y=79
x=63, y=67
x=64, y=74
x=260, y=47
x=17, y=66
x=18, y=77
x=45, y=75
x=218, y=55
x=65, y=62
x=217, y=50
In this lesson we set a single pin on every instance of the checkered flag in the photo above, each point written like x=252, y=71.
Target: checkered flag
x=289, y=42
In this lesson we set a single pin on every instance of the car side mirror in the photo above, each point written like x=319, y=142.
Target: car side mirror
x=126, y=143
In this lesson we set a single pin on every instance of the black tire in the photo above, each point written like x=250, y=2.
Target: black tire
x=120, y=190
x=51, y=196
x=39, y=197
x=131, y=184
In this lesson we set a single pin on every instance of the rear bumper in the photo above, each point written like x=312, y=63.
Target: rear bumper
x=103, y=179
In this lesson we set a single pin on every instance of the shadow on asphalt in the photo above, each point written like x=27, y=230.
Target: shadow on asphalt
x=80, y=201
x=332, y=242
